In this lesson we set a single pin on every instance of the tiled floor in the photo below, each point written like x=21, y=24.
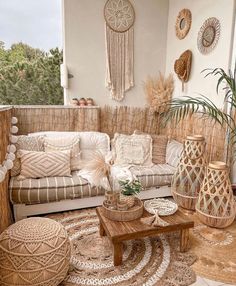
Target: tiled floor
x=206, y=282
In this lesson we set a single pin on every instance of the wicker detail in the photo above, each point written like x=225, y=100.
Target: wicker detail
x=190, y=172
x=35, y=252
x=185, y=16
x=215, y=206
x=129, y=200
x=182, y=66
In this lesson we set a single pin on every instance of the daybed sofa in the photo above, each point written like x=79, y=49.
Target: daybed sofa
x=52, y=194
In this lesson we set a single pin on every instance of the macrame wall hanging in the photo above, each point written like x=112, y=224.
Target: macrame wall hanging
x=119, y=17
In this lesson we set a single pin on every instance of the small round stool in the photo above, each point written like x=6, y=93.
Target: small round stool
x=34, y=251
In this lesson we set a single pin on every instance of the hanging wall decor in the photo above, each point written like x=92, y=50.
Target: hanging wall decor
x=119, y=17
x=182, y=67
x=208, y=35
x=183, y=23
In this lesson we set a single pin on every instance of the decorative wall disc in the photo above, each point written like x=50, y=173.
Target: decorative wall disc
x=119, y=15
x=208, y=35
x=183, y=23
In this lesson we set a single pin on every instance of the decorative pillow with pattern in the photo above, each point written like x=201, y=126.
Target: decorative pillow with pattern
x=69, y=143
x=132, y=149
x=159, y=143
x=29, y=143
x=174, y=150
x=44, y=164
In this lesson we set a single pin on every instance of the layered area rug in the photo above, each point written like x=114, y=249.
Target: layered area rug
x=216, y=252
x=147, y=262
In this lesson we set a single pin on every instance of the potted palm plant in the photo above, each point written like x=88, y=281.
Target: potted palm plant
x=181, y=108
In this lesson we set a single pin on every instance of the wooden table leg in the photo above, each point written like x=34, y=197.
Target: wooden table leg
x=101, y=230
x=184, y=240
x=118, y=251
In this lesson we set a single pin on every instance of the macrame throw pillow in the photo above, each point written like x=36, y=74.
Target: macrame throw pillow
x=29, y=143
x=132, y=149
x=70, y=143
x=44, y=164
x=159, y=143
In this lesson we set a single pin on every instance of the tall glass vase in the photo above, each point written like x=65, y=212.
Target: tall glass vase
x=215, y=205
x=189, y=174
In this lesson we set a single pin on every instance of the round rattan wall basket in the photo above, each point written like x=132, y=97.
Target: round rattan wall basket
x=215, y=206
x=189, y=174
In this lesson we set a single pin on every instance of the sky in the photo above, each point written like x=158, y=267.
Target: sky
x=34, y=22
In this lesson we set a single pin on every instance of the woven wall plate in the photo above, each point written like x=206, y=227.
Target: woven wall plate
x=183, y=23
x=119, y=15
x=161, y=206
x=208, y=35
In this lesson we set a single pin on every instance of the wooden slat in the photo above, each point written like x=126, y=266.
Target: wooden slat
x=5, y=210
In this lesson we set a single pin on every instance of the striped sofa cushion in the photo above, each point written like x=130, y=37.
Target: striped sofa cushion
x=51, y=189
x=157, y=175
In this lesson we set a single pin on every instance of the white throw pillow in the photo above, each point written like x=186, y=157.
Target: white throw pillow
x=174, y=150
x=69, y=143
x=132, y=149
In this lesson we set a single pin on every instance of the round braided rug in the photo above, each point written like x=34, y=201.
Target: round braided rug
x=155, y=261
x=216, y=251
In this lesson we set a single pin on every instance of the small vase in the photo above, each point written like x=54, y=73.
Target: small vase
x=129, y=200
x=111, y=199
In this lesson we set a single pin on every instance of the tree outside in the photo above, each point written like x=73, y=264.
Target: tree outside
x=29, y=76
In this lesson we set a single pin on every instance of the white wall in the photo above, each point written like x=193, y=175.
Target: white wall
x=219, y=57
x=84, y=48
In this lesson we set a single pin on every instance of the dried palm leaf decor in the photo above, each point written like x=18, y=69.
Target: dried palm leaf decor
x=159, y=92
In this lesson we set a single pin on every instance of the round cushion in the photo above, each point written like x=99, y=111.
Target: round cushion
x=34, y=251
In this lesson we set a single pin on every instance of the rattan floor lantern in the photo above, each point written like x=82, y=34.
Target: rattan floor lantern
x=189, y=174
x=215, y=205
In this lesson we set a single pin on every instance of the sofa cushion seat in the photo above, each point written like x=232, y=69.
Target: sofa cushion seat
x=157, y=175
x=51, y=189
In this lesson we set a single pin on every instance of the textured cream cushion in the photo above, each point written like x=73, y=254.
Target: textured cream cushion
x=70, y=143
x=132, y=149
x=90, y=141
x=29, y=143
x=44, y=164
x=174, y=150
x=159, y=143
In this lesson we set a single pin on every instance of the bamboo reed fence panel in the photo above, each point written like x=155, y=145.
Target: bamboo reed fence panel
x=125, y=120
x=57, y=118
x=5, y=209
x=214, y=134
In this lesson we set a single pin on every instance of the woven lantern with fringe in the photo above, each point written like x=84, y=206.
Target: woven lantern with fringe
x=189, y=174
x=215, y=205
x=182, y=67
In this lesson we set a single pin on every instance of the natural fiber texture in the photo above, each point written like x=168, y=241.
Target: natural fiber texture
x=149, y=261
x=119, y=16
x=159, y=92
x=215, y=249
x=215, y=205
x=44, y=164
x=34, y=251
x=5, y=210
x=34, y=119
x=183, y=66
x=185, y=16
x=190, y=172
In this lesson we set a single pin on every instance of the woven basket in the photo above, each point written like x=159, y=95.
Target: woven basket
x=189, y=175
x=215, y=205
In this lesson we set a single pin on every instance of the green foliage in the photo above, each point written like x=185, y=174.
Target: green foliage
x=129, y=188
x=30, y=76
x=180, y=108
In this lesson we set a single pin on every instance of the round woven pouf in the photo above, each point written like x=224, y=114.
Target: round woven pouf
x=34, y=251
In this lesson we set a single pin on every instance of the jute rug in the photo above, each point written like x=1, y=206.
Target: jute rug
x=146, y=262
x=216, y=252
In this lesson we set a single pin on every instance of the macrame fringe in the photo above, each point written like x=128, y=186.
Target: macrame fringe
x=154, y=220
x=119, y=62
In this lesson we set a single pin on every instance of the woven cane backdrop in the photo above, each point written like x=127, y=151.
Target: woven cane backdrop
x=5, y=211
x=57, y=118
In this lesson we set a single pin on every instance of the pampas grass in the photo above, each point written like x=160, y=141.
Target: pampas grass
x=159, y=92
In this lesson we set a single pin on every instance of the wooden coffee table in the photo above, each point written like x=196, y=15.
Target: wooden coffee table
x=118, y=231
